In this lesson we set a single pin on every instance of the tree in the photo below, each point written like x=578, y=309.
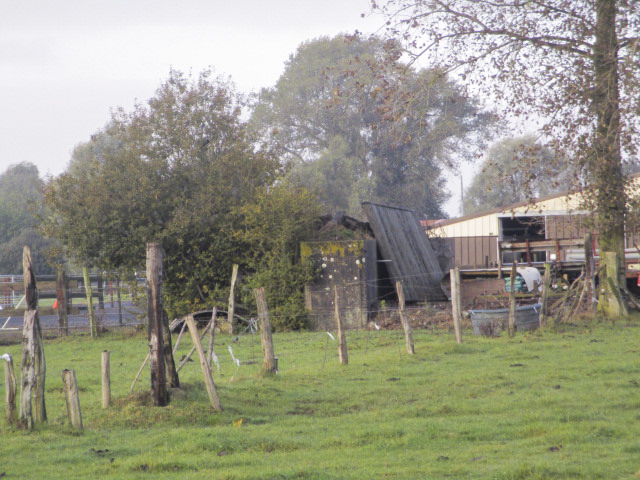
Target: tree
x=20, y=204
x=515, y=170
x=572, y=63
x=331, y=113
x=174, y=171
x=275, y=223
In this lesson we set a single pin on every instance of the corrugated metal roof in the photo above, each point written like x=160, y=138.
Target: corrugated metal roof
x=403, y=243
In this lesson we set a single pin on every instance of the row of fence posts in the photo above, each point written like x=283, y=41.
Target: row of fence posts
x=34, y=365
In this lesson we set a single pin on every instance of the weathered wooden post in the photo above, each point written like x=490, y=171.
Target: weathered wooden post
x=589, y=272
x=72, y=399
x=119, y=297
x=232, y=301
x=88, y=293
x=212, y=328
x=32, y=402
x=206, y=371
x=61, y=297
x=270, y=362
x=343, y=353
x=456, y=303
x=545, y=294
x=170, y=364
x=155, y=313
x=10, y=389
x=408, y=331
x=106, y=380
x=512, y=299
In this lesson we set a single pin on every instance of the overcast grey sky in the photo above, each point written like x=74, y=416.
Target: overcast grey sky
x=66, y=63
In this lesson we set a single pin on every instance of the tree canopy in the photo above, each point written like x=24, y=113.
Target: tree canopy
x=178, y=170
x=516, y=169
x=20, y=203
x=572, y=64
x=333, y=114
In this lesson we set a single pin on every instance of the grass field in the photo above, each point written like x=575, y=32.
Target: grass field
x=547, y=405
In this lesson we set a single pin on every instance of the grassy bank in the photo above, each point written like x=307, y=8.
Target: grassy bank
x=539, y=406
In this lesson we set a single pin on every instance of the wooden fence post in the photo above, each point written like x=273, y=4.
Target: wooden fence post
x=456, y=303
x=61, y=297
x=206, y=371
x=72, y=399
x=232, y=301
x=589, y=273
x=546, y=289
x=170, y=364
x=343, y=352
x=34, y=370
x=155, y=313
x=212, y=328
x=512, y=299
x=270, y=362
x=106, y=380
x=408, y=331
x=10, y=390
x=88, y=293
x=119, y=299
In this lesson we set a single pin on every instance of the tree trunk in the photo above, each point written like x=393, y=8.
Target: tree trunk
x=611, y=302
x=606, y=162
x=155, y=313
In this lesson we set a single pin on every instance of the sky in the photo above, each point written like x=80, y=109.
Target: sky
x=65, y=64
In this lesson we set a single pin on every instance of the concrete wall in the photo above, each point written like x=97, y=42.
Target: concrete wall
x=351, y=266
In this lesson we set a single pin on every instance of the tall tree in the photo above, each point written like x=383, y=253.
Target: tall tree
x=20, y=204
x=332, y=113
x=573, y=63
x=516, y=169
x=176, y=171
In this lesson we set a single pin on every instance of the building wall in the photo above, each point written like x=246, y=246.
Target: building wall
x=349, y=266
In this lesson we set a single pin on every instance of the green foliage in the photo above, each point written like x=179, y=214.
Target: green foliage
x=179, y=170
x=334, y=114
x=515, y=170
x=497, y=408
x=20, y=205
x=274, y=225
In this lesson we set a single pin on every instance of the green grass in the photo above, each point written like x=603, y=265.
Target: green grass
x=548, y=405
